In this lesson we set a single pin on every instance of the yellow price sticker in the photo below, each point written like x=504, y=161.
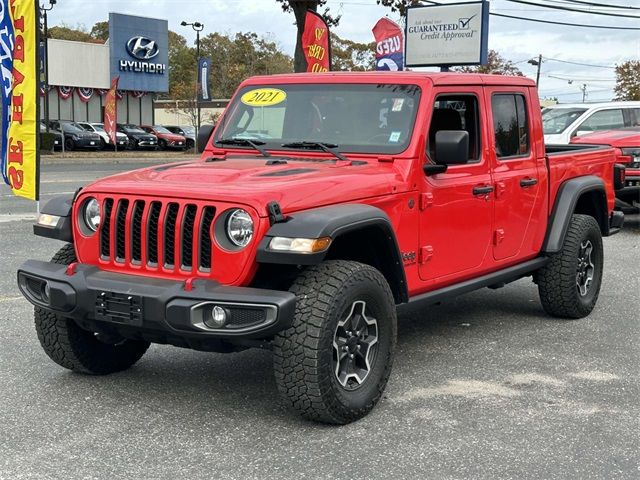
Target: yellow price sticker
x=263, y=97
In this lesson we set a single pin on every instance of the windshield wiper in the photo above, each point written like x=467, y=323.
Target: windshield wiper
x=256, y=144
x=327, y=147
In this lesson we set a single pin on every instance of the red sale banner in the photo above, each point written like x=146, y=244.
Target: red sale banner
x=389, y=45
x=316, y=43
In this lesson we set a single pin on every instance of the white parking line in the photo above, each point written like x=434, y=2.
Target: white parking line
x=41, y=195
x=16, y=217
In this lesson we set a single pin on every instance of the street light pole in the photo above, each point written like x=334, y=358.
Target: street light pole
x=537, y=62
x=46, y=62
x=197, y=27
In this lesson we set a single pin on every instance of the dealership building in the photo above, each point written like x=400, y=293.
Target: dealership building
x=80, y=73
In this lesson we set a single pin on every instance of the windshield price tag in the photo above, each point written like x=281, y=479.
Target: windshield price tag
x=263, y=97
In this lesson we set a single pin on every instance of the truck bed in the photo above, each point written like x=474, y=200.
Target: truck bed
x=570, y=161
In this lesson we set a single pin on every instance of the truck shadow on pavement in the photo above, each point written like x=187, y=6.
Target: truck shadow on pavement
x=186, y=383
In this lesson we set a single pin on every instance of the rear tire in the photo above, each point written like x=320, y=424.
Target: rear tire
x=333, y=363
x=81, y=350
x=569, y=284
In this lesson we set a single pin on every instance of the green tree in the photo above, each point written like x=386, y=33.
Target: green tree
x=496, y=65
x=66, y=32
x=628, y=80
x=100, y=31
x=299, y=9
x=352, y=56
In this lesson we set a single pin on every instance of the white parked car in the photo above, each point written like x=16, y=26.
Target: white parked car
x=98, y=128
x=564, y=121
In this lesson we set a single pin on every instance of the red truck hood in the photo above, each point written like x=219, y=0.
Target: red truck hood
x=295, y=185
x=615, y=138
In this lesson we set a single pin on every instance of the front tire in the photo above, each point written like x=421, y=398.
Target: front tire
x=569, y=284
x=81, y=350
x=333, y=363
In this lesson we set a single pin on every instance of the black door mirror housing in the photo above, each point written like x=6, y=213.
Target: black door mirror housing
x=204, y=133
x=452, y=147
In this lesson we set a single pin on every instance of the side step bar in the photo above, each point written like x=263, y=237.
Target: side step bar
x=507, y=275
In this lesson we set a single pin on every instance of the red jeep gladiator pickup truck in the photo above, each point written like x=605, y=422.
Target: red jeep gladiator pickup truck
x=320, y=203
x=627, y=146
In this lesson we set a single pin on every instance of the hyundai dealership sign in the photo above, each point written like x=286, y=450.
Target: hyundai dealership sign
x=139, y=51
x=445, y=35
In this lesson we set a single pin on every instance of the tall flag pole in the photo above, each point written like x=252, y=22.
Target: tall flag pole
x=19, y=26
x=316, y=43
x=111, y=112
x=389, y=45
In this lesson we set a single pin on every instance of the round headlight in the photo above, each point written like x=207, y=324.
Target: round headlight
x=239, y=228
x=91, y=214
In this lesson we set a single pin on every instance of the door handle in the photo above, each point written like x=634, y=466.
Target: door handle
x=483, y=190
x=528, y=182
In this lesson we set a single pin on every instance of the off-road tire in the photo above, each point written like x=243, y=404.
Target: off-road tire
x=303, y=354
x=557, y=287
x=77, y=349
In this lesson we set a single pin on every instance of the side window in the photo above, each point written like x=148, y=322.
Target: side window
x=635, y=117
x=456, y=112
x=603, y=120
x=510, y=124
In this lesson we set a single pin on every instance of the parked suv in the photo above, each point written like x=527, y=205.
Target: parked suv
x=76, y=137
x=105, y=141
x=186, y=131
x=563, y=122
x=166, y=139
x=320, y=203
x=138, y=138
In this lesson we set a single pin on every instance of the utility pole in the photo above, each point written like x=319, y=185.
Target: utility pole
x=584, y=92
x=46, y=62
x=537, y=63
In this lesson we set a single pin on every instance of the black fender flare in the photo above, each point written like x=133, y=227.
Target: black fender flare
x=564, y=207
x=335, y=221
x=60, y=206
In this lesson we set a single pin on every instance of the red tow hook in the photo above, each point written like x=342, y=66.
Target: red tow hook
x=71, y=269
x=188, y=284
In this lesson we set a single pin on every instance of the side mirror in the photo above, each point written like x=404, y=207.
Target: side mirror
x=203, y=137
x=452, y=147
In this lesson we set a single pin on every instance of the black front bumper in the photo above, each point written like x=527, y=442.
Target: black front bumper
x=155, y=308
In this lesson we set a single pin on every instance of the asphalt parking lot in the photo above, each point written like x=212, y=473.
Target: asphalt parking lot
x=486, y=386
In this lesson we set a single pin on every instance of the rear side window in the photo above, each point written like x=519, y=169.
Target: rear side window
x=603, y=120
x=635, y=117
x=510, y=124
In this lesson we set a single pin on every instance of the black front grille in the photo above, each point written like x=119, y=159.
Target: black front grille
x=121, y=222
x=147, y=233
x=170, y=234
x=152, y=232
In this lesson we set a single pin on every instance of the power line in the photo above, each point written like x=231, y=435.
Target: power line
x=578, y=63
x=608, y=27
x=593, y=4
x=569, y=9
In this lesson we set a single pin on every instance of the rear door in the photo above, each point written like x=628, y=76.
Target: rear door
x=519, y=198
x=456, y=206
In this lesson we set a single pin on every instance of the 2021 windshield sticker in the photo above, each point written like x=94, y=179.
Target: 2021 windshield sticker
x=263, y=97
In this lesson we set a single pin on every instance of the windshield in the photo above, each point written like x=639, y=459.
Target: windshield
x=72, y=127
x=367, y=118
x=85, y=126
x=557, y=120
x=98, y=127
x=189, y=130
x=161, y=129
x=132, y=129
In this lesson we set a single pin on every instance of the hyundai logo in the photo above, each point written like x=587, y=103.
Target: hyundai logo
x=142, y=48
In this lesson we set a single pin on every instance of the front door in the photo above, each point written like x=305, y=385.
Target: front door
x=457, y=205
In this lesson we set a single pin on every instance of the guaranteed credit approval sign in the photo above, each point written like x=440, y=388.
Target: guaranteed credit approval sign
x=446, y=35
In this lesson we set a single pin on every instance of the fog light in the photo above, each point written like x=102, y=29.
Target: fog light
x=217, y=319
x=46, y=293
